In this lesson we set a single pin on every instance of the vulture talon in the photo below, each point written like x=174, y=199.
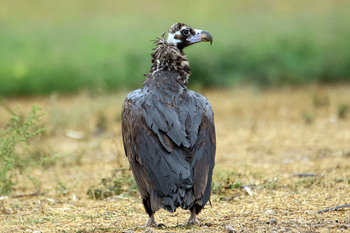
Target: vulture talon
x=168, y=130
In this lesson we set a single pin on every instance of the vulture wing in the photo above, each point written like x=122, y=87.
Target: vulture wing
x=170, y=143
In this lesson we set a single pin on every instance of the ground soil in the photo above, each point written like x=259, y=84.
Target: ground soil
x=290, y=146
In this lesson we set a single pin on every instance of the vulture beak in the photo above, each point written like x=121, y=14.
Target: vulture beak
x=200, y=36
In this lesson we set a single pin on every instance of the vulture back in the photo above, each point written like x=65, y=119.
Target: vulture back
x=169, y=139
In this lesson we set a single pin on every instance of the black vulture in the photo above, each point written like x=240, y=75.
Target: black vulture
x=168, y=130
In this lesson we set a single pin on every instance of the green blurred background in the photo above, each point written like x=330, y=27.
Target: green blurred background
x=65, y=46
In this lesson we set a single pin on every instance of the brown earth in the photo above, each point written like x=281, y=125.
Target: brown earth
x=265, y=139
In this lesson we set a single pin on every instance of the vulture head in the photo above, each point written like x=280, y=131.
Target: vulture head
x=181, y=35
x=168, y=54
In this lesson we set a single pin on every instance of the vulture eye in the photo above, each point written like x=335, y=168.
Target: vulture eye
x=185, y=32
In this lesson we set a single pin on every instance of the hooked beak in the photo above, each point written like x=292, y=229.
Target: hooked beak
x=200, y=36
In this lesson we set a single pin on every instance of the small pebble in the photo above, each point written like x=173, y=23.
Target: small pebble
x=301, y=220
x=3, y=197
x=74, y=134
x=230, y=229
x=270, y=212
x=271, y=221
x=247, y=190
x=50, y=200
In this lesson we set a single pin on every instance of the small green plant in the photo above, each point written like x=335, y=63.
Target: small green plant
x=121, y=181
x=342, y=111
x=15, y=138
x=101, y=124
x=308, y=118
x=320, y=101
x=273, y=184
x=307, y=182
x=224, y=181
x=61, y=188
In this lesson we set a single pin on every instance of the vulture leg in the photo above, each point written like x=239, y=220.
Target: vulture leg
x=193, y=218
x=151, y=222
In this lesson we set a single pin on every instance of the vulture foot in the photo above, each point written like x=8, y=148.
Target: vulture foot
x=193, y=219
x=152, y=223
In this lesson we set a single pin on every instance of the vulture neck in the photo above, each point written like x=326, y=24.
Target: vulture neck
x=168, y=57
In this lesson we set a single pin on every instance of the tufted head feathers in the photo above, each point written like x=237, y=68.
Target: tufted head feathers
x=182, y=35
x=168, y=55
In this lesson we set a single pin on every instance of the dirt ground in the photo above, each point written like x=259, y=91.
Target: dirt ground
x=290, y=146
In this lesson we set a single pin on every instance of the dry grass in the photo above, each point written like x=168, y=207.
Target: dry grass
x=264, y=138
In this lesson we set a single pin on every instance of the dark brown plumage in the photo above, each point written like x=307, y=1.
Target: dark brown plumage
x=168, y=131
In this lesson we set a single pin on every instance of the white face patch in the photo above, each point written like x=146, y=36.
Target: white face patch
x=197, y=31
x=171, y=38
x=196, y=38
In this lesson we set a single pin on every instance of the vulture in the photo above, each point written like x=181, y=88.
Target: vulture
x=168, y=130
